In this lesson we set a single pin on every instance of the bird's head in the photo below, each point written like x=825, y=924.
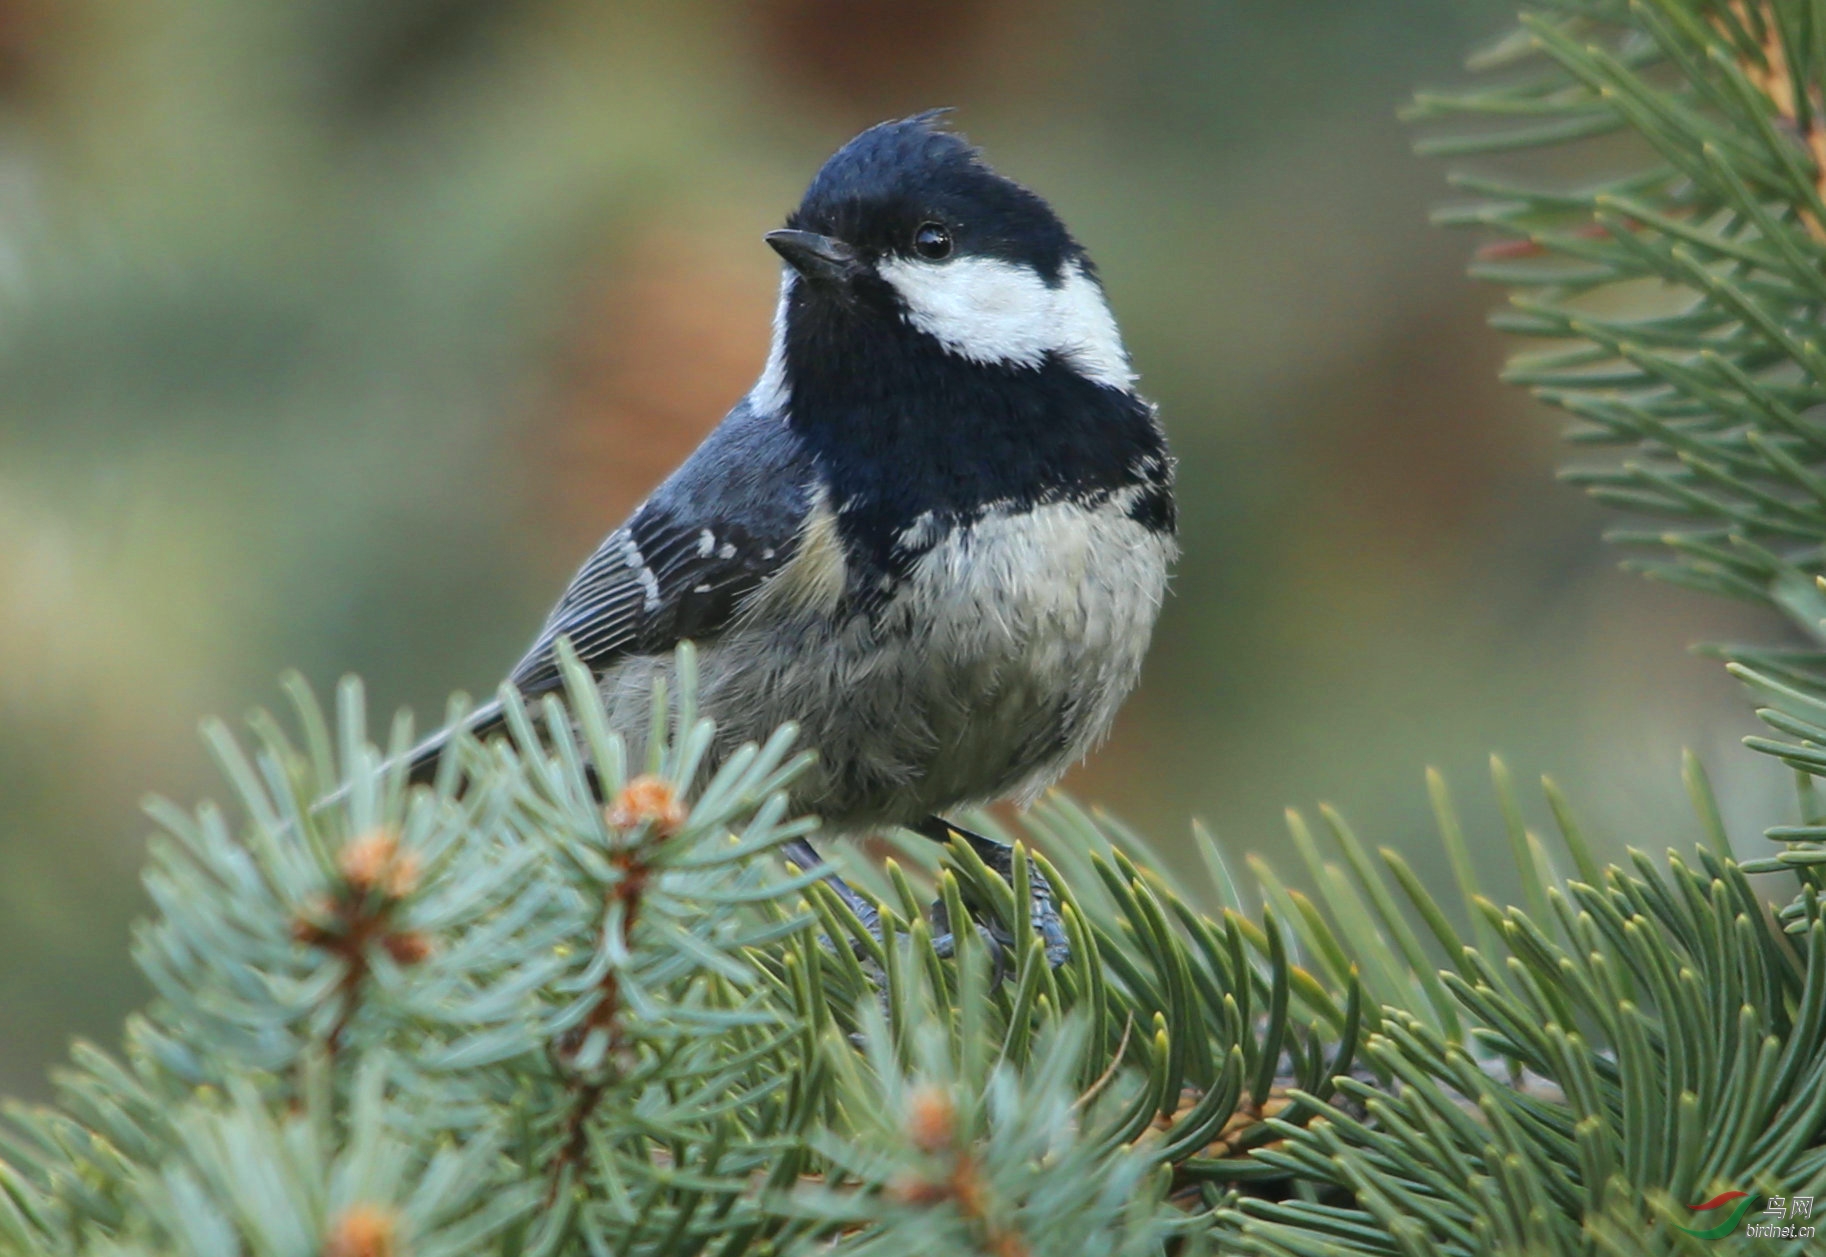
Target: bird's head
x=908, y=243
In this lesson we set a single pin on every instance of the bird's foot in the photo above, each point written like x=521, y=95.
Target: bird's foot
x=999, y=859
x=997, y=940
x=803, y=854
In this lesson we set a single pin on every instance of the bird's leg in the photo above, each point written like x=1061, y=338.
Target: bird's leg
x=999, y=857
x=806, y=856
x=998, y=940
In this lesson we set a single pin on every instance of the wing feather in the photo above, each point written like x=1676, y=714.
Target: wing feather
x=655, y=582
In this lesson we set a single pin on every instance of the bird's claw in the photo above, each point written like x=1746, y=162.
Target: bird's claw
x=1043, y=912
x=803, y=854
x=1049, y=924
x=998, y=942
x=1004, y=952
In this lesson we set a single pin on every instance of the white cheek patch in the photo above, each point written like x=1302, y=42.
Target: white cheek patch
x=989, y=310
x=1087, y=334
x=770, y=395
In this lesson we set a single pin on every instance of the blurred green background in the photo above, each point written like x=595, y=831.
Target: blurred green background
x=334, y=333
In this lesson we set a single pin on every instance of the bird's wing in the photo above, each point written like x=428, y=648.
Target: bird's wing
x=659, y=579
x=679, y=569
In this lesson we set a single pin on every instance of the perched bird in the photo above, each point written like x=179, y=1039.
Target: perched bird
x=935, y=534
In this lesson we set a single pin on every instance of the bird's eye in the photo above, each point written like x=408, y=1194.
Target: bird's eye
x=932, y=241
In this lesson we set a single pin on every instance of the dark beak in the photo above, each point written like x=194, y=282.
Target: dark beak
x=821, y=259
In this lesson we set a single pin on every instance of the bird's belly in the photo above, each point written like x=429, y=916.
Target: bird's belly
x=1000, y=660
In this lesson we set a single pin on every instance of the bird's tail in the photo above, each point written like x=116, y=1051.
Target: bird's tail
x=423, y=759
x=482, y=723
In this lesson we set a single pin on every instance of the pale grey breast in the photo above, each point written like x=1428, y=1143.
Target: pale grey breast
x=998, y=663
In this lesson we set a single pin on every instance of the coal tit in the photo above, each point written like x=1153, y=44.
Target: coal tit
x=935, y=534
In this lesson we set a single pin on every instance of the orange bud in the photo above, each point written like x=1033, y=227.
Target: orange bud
x=362, y=1231
x=910, y=1189
x=931, y=1119
x=408, y=948
x=374, y=860
x=648, y=799
x=1008, y=1244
